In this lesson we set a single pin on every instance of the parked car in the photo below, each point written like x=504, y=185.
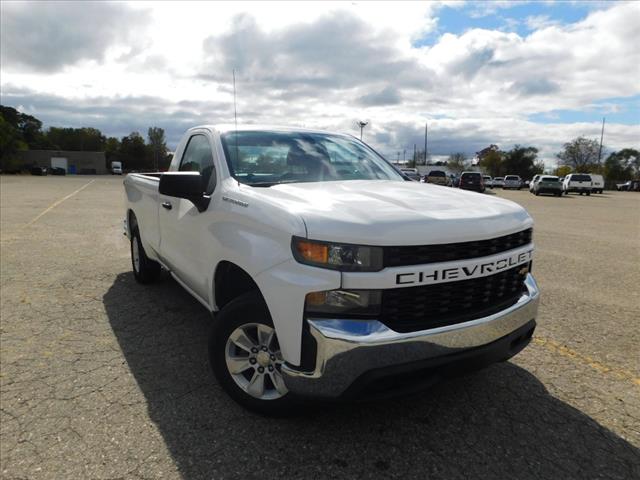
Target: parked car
x=40, y=171
x=116, y=168
x=438, y=177
x=325, y=281
x=629, y=186
x=488, y=181
x=597, y=183
x=498, y=182
x=57, y=171
x=472, y=181
x=577, y=182
x=533, y=182
x=412, y=173
x=547, y=184
x=512, y=181
x=454, y=181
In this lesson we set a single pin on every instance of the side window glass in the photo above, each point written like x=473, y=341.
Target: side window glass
x=198, y=157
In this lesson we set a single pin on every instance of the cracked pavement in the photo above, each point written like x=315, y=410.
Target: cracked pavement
x=103, y=378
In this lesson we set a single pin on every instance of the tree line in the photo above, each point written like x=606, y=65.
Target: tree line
x=580, y=155
x=20, y=131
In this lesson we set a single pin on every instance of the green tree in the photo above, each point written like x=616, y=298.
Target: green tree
x=521, y=161
x=76, y=139
x=133, y=153
x=157, y=145
x=562, y=171
x=491, y=162
x=623, y=165
x=581, y=154
x=457, y=162
x=10, y=143
x=486, y=151
x=28, y=128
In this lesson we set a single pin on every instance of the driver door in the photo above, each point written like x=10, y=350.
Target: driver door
x=183, y=229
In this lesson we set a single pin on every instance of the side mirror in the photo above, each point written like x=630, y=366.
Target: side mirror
x=187, y=185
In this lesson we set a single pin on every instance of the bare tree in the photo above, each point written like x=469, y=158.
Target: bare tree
x=457, y=162
x=580, y=154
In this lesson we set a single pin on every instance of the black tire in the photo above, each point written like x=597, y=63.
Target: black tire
x=537, y=193
x=246, y=309
x=148, y=271
x=588, y=194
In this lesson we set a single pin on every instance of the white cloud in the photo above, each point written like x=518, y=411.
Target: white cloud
x=326, y=64
x=538, y=22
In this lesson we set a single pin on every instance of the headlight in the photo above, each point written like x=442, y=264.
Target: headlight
x=344, y=302
x=345, y=257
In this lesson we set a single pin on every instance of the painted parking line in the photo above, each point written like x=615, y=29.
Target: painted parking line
x=58, y=202
x=586, y=360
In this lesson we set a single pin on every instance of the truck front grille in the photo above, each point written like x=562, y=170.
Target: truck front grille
x=421, y=254
x=430, y=306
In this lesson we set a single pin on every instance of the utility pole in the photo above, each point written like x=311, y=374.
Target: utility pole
x=404, y=155
x=398, y=159
x=362, y=124
x=426, y=126
x=601, y=136
x=415, y=154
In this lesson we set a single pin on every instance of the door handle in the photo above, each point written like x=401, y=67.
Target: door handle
x=167, y=205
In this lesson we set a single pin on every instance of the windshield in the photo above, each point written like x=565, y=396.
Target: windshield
x=511, y=177
x=436, y=173
x=549, y=179
x=580, y=178
x=265, y=158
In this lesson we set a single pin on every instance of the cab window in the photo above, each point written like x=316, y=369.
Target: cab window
x=198, y=157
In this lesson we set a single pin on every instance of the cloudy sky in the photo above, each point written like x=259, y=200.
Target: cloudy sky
x=479, y=73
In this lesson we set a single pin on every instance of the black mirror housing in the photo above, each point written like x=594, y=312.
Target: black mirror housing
x=187, y=185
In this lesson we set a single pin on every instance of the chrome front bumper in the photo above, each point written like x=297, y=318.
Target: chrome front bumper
x=347, y=349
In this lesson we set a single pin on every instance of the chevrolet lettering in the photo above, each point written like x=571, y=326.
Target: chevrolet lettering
x=431, y=275
x=328, y=274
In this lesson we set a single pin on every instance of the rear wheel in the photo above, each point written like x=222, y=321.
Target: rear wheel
x=246, y=359
x=588, y=194
x=145, y=270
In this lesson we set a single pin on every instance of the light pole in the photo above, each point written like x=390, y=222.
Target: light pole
x=362, y=124
x=425, y=142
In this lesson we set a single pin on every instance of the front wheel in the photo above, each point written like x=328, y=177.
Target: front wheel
x=246, y=359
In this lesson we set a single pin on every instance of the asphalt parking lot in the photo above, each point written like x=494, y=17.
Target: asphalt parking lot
x=104, y=378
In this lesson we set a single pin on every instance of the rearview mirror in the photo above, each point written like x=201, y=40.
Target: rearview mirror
x=187, y=185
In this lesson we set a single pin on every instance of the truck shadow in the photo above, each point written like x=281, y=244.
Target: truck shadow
x=497, y=423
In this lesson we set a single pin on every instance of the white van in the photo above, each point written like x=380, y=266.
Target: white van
x=116, y=168
x=577, y=182
x=597, y=183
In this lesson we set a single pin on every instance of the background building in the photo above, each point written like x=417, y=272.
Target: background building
x=82, y=163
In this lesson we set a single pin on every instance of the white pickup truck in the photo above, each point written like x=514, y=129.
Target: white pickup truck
x=329, y=275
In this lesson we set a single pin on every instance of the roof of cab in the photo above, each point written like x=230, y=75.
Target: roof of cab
x=222, y=128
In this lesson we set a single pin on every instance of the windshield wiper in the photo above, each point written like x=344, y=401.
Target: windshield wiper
x=271, y=184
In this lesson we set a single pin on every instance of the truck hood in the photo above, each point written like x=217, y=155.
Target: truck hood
x=382, y=212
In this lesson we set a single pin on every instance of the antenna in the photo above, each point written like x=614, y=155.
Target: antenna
x=235, y=116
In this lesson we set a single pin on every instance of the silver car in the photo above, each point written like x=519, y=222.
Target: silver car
x=512, y=181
